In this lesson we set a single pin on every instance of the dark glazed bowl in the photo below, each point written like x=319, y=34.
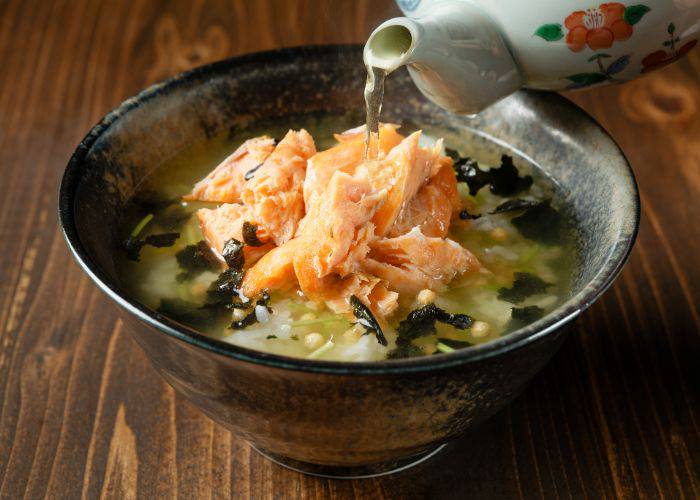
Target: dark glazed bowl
x=347, y=419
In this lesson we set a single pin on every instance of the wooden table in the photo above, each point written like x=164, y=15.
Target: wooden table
x=83, y=413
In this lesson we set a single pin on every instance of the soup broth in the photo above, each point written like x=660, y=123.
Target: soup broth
x=517, y=232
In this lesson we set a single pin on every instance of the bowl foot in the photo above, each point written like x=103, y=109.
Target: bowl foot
x=351, y=472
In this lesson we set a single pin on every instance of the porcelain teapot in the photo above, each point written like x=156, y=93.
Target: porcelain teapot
x=467, y=54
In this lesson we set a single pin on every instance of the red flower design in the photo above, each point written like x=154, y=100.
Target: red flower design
x=597, y=27
x=661, y=58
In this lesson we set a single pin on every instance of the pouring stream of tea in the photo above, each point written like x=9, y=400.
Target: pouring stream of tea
x=374, y=94
x=384, y=52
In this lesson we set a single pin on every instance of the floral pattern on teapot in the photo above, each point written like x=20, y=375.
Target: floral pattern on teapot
x=598, y=28
x=661, y=58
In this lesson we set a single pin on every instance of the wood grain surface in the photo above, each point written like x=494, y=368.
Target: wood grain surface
x=83, y=414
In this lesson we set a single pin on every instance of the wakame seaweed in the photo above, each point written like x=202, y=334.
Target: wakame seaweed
x=521, y=316
x=194, y=260
x=421, y=322
x=162, y=240
x=223, y=292
x=249, y=319
x=250, y=235
x=465, y=215
x=228, y=281
x=169, y=212
x=252, y=318
x=506, y=181
x=503, y=180
x=418, y=323
x=233, y=253
x=133, y=244
x=366, y=319
x=514, y=205
x=405, y=351
x=452, y=153
x=540, y=223
x=467, y=170
x=524, y=285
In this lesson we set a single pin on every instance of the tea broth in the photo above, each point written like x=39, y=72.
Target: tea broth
x=526, y=274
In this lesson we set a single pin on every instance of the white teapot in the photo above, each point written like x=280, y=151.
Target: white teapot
x=466, y=54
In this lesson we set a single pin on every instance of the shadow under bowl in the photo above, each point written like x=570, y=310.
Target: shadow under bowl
x=339, y=418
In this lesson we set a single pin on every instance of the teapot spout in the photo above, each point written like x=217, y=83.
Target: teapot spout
x=455, y=54
x=392, y=44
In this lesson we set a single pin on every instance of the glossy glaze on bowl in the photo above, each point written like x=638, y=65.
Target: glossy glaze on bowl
x=333, y=414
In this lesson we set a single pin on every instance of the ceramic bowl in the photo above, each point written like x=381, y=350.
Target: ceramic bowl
x=338, y=418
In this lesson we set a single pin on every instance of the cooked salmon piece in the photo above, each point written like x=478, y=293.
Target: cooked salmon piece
x=334, y=225
x=413, y=262
x=225, y=222
x=331, y=229
x=359, y=249
x=225, y=182
x=388, y=137
x=382, y=301
x=274, y=271
x=275, y=194
x=336, y=292
x=371, y=291
x=403, y=172
x=445, y=180
x=344, y=157
x=336, y=238
x=435, y=157
x=433, y=206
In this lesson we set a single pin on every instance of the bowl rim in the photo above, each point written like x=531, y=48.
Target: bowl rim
x=562, y=315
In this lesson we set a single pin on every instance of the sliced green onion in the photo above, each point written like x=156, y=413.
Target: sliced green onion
x=295, y=306
x=139, y=227
x=530, y=254
x=444, y=348
x=321, y=350
x=463, y=191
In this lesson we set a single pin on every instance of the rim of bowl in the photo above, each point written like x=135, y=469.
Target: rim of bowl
x=521, y=337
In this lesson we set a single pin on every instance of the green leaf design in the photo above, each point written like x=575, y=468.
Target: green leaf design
x=598, y=56
x=671, y=29
x=550, y=32
x=667, y=43
x=634, y=13
x=618, y=65
x=587, y=78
